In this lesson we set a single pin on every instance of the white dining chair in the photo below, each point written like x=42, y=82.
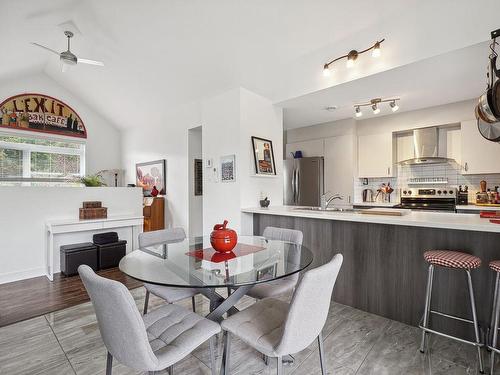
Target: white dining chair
x=169, y=294
x=284, y=286
x=152, y=342
x=277, y=328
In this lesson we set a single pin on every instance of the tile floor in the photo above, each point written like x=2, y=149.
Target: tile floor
x=68, y=342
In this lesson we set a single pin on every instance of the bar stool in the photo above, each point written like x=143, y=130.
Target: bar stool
x=495, y=266
x=453, y=260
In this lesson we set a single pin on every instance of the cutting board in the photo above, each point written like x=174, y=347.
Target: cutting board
x=385, y=211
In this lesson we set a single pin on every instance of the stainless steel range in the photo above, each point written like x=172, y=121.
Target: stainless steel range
x=430, y=199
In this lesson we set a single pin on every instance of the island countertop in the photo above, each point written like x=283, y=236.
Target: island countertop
x=444, y=220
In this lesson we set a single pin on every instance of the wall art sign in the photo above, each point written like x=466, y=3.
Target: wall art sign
x=151, y=174
x=263, y=156
x=227, y=168
x=41, y=113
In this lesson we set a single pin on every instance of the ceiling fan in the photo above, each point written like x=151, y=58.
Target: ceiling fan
x=67, y=57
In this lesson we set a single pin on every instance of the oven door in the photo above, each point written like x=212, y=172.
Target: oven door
x=426, y=204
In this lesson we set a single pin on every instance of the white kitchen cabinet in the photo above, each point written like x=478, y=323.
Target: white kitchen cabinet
x=308, y=148
x=375, y=155
x=339, y=167
x=479, y=156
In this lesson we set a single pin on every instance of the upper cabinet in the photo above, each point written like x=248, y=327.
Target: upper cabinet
x=375, y=155
x=479, y=156
x=308, y=148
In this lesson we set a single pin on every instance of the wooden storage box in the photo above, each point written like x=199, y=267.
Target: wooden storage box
x=93, y=213
x=92, y=204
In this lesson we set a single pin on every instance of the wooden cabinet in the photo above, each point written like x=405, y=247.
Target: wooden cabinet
x=308, y=148
x=479, y=156
x=375, y=155
x=339, y=167
x=154, y=214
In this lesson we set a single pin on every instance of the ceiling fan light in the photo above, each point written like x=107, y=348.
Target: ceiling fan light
x=394, y=106
x=376, y=50
x=358, y=112
x=376, y=109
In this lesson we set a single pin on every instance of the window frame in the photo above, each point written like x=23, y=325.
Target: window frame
x=28, y=148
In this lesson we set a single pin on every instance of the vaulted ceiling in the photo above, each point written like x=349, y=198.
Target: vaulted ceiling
x=162, y=54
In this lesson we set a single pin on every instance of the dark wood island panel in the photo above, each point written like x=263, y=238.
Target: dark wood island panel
x=384, y=271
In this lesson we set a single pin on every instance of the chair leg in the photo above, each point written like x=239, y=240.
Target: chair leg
x=321, y=353
x=494, y=324
x=226, y=364
x=474, y=318
x=428, y=295
x=492, y=319
x=211, y=345
x=280, y=365
x=193, y=302
x=171, y=370
x=146, y=302
x=109, y=364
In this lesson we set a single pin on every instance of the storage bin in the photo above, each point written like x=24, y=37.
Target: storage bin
x=110, y=254
x=74, y=255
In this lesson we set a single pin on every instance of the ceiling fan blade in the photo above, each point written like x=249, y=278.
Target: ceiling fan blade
x=91, y=62
x=46, y=48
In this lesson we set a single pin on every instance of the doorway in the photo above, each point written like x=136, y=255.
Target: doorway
x=195, y=182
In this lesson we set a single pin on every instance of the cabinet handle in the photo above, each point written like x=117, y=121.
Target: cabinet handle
x=466, y=167
x=388, y=171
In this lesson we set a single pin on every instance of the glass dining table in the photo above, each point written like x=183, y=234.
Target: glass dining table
x=193, y=263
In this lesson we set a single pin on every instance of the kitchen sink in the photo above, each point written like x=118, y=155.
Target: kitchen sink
x=328, y=209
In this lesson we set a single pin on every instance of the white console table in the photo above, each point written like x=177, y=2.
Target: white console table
x=54, y=228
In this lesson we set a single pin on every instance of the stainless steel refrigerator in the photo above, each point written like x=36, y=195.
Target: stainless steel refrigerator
x=304, y=182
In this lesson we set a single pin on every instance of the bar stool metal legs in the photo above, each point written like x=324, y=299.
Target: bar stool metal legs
x=427, y=311
x=457, y=261
x=494, y=325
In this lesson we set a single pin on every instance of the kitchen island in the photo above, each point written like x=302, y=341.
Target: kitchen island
x=384, y=271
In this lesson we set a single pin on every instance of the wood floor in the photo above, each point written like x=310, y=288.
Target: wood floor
x=25, y=299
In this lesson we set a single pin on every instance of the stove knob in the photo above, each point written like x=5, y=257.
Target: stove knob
x=445, y=192
x=439, y=192
x=404, y=192
x=409, y=192
x=451, y=191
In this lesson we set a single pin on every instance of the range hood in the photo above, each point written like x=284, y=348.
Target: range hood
x=426, y=148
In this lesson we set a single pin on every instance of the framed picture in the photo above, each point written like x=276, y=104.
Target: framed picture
x=263, y=156
x=228, y=168
x=151, y=173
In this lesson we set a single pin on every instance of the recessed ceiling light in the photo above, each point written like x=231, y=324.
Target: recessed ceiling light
x=331, y=108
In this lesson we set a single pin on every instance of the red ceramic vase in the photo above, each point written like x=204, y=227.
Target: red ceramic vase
x=223, y=239
x=154, y=192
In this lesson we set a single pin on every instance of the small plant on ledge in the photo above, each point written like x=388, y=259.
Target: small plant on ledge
x=93, y=180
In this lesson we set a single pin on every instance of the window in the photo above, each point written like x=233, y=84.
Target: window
x=35, y=159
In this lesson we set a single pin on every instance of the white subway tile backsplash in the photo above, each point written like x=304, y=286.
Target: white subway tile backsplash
x=405, y=173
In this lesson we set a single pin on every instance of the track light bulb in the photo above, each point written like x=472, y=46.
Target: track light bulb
x=358, y=112
x=394, y=106
x=326, y=70
x=376, y=50
x=376, y=109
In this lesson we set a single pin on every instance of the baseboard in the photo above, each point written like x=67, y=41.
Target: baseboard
x=21, y=275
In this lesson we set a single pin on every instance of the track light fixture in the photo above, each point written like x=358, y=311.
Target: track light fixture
x=352, y=57
x=375, y=106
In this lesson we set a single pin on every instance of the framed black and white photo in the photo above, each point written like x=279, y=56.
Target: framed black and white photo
x=263, y=156
x=228, y=168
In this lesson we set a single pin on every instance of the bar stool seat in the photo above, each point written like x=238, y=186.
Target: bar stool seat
x=453, y=259
x=495, y=265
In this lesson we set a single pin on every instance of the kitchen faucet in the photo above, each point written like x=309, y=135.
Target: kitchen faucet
x=325, y=202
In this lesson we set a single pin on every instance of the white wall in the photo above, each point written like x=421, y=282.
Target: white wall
x=229, y=121
x=103, y=139
x=167, y=138
x=25, y=210
x=195, y=201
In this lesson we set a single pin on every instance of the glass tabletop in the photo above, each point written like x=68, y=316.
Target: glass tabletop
x=196, y=264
